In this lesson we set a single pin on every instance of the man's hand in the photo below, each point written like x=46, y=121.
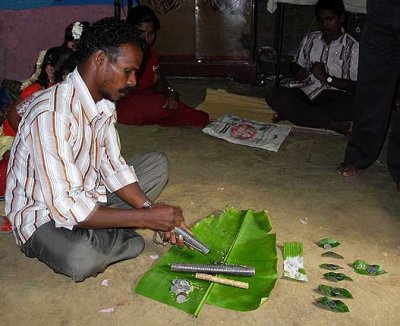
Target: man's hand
x=163, y=217
x=319, y=72
x=175, y=239
x=172, y=101
x=300, y=73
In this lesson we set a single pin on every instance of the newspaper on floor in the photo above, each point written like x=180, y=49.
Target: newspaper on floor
x=236, y=130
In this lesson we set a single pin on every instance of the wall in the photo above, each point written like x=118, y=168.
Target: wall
x=298, y=20
x=25, y=33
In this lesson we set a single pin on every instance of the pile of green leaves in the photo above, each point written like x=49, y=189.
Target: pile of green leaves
x=237, y=237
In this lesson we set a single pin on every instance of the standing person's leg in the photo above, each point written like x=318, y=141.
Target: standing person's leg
x=377, y=76
x=393, y=155
x=152, y=171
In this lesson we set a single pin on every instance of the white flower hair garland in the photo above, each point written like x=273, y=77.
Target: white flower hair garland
x=77, y=29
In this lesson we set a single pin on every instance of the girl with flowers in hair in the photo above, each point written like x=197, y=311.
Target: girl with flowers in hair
x=73, y=33
x=45, y=76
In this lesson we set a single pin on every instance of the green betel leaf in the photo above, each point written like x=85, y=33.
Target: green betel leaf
x=332, y=305
x=236, y=237
x=336, y=292
x=328, y=243
x=361, y=267
x=337, y=277
x=332, y=254
x=331, y=267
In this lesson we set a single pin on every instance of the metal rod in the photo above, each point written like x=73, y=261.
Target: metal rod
x=192, y=241
x=279, y=31
x=117, y=8
x=214, y=269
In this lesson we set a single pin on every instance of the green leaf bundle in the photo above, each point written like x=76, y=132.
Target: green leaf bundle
x=332, y=305
x=361, y=267
x=336, y=292
x=337, y=277
x=328, y=243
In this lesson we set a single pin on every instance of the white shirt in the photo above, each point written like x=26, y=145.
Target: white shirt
x=65, y=153
x=340, y=58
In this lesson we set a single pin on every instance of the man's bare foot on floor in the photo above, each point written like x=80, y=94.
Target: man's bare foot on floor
x=347, y=170
x=276, y=117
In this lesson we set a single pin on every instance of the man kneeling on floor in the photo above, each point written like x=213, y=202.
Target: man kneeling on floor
x=73, y=201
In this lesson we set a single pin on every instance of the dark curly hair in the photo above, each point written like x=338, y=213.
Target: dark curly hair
x=68, y=65
x=336, y=6
x=108, y=34
x=54, y=57
x=143, y=14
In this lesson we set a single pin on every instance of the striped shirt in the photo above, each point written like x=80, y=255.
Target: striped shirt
x=64, y=156
x=340, y=58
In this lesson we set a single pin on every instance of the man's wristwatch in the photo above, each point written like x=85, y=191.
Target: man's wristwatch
x=147, y=204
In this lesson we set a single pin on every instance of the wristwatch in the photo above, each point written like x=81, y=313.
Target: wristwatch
x=329, y=80
x=147, y=204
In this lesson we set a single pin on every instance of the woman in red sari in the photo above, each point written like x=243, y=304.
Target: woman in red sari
x=154, y=101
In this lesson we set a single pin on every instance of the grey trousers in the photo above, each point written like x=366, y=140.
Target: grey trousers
x=80, y=253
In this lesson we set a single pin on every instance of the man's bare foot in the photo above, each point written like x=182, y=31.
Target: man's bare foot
x=347, y=170
x=276, y=117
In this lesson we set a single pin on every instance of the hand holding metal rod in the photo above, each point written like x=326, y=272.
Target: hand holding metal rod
x=191, y=240
x=188, y=239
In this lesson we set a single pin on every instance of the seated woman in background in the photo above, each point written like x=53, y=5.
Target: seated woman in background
x=46, y=75
x=49, y=62
x=154, y=101
x=326, y=65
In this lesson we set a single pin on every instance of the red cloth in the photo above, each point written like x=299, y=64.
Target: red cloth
x=3, y=174
x=29, y=90
x=8, y=129
x=144, y=106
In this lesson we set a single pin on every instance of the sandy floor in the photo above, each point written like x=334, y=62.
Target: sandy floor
x=207, y=174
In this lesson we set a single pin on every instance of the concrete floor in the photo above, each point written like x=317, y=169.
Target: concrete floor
x=300, y=181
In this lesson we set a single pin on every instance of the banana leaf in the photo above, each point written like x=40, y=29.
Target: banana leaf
x=237, y=237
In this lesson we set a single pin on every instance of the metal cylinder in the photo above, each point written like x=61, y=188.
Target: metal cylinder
x=214, y=269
